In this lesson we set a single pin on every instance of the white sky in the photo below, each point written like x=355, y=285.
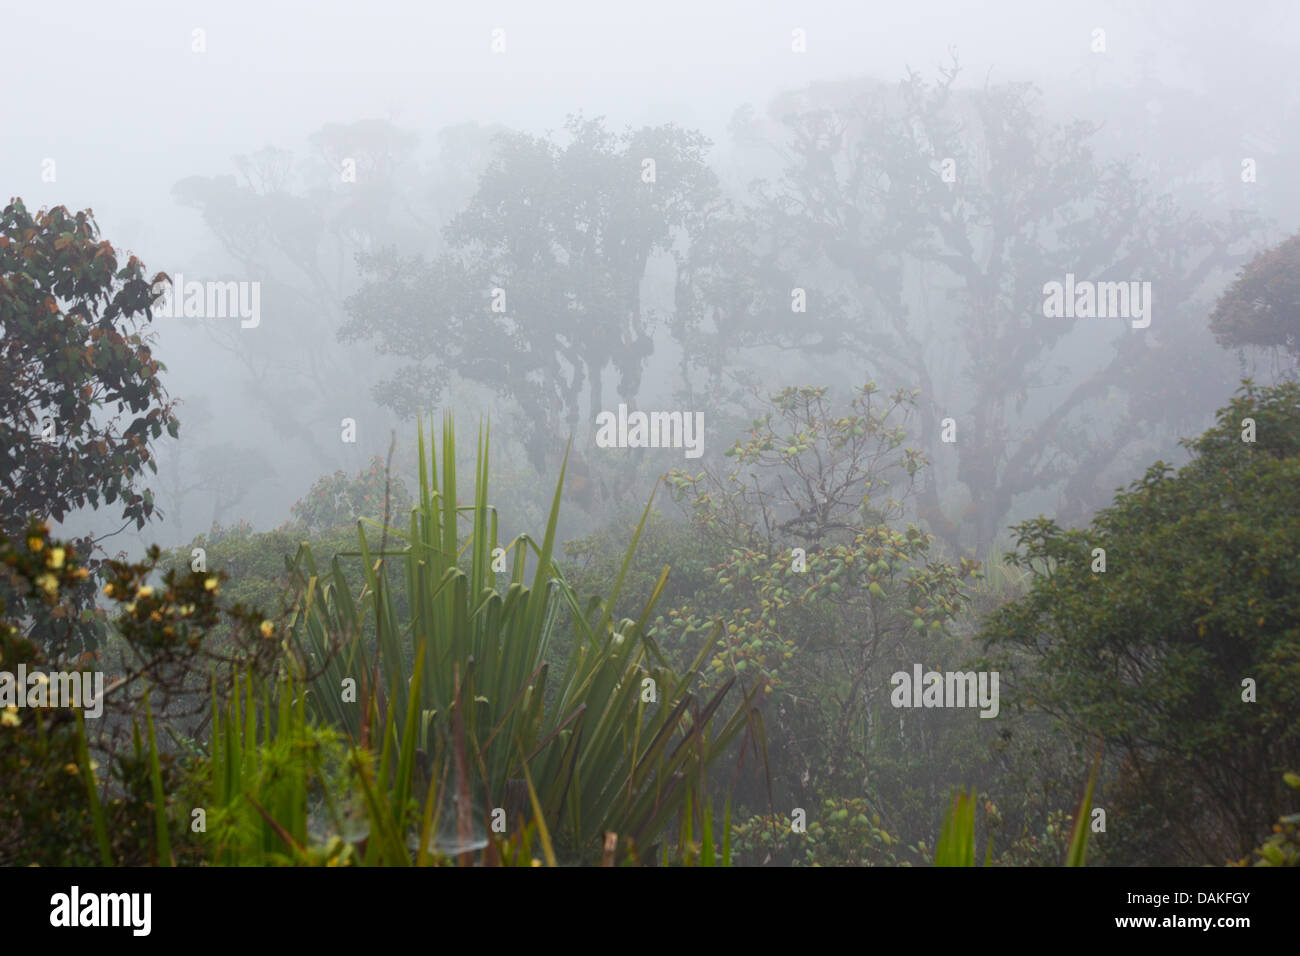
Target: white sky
x=114, y=92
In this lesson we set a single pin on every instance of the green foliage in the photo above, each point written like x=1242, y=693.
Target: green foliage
x=73, y=359
x=819, y=631
x=43, y=787
x=52, y=810
x=35, y=570
x=256, y=566
x=845, y=832
x=279, y=790
x=592, y=563
x=1282, y=847
x=78, y=351
x=956, y=843
x=253, y=563
x=1262, y=307
x=1198, y=596
x=1048, y=847
x=993, y=584
x=267, y=763
x=606, y=756
x=282, y=790
x=704, y=852
x=255, y=569
x=177, y=635
x=1078, y=851
x=337, y=501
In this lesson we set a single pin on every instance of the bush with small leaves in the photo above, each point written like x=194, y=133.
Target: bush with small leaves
x=844, y=832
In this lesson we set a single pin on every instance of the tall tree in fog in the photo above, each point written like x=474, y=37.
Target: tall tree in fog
x=297, y=224
x=81, y=401
x=295, y=227
x=921, y=225
x=538, y=295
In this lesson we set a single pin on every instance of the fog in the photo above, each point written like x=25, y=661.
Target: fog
x=127, y=104
x=869, y=309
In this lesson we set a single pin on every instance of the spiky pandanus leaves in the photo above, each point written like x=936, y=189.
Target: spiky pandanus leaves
x=622, y=739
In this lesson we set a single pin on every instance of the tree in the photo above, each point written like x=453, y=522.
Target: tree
x=80, y=396
x=295, y=225
x=821, y=594
x=539, y=294
x=338, y=501
x=1262, y=306
x=920, y=225
x=1179, y=642
x=71, y=348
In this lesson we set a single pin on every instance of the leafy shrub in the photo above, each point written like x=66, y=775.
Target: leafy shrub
x=337, y=501
x=845, y=832
x=819, y=597
x=1282, y=847
x=1155, y=655
x=45, y=767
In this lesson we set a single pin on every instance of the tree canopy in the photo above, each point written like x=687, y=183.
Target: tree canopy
x=1180, y=645
x=71, y=349
x=80, y=395
x=1262, y=307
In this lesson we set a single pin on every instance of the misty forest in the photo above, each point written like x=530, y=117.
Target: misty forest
x=709, y=435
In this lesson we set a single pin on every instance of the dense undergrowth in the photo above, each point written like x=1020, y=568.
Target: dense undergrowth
x=425, y=693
